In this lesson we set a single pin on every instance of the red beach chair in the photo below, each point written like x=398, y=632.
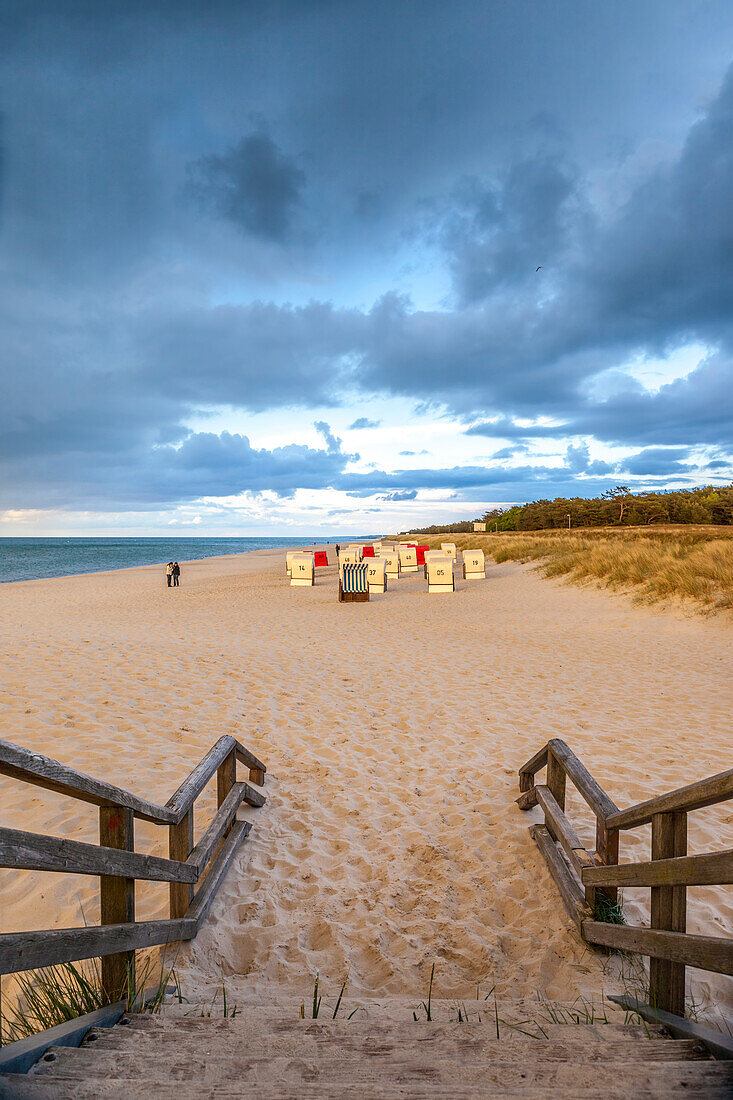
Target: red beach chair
x=320, y=558
x=367, y=551
x=420, y=551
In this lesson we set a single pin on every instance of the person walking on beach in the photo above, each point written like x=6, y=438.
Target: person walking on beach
x=176, y=574
x=169, y=573
x=338, y=548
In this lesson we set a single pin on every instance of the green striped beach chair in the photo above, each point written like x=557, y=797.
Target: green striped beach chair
x=354, y=583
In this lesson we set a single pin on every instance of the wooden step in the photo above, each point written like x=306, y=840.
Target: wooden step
x=711, y=1080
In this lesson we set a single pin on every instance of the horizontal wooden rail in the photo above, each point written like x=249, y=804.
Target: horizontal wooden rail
x=29, y=950
x=586, y=879
x=42, y=771
x=704, y=952
x=35, y=852
x=711, y=869
x=706, y=792
x=117, y=864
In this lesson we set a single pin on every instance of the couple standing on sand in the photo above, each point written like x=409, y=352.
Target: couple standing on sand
x=172, y=573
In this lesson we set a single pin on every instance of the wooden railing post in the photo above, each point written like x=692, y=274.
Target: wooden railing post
x=257, y=775
x=180, y=846
x=556, y=781
x=607, y=854
x=668, y=912
x=117, y=897
x=226, y=776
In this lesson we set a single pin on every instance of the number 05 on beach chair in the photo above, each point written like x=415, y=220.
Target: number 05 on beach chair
x=354, y=583
x=440, y=574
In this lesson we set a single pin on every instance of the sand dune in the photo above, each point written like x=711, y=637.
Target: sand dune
x=392, y=732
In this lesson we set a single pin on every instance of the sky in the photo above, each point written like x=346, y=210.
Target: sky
x=337, y=266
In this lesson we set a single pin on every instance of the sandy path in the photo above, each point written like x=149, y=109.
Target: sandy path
x=392, y=733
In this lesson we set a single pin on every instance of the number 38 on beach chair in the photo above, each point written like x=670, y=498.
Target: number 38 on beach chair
x=354, y=583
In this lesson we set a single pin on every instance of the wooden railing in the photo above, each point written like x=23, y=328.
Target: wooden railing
x=584, y=875
x=119, y=865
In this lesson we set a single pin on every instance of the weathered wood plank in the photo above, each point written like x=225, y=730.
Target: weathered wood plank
x=117, y=900
x=36, y=852
x=607, y=845
x=711, y=869
x=42, y=771
x=192, y=786
x=586, y=785
x=253, y=797
x=527, y=771
x=718, y=1043
x=704, y=952
x=706, y=792
x=180, y=846
x=257, y=769
x=207, y=891
x=528, y=799
x=30, y=950
x=668, y=912
x=226, y=777
x=221, y=821
x=570, y=891
x=562, y=830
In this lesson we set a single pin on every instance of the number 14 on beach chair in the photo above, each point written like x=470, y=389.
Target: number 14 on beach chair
x=301, y=570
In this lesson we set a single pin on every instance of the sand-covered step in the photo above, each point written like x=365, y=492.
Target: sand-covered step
x=288, y=1078
x=469, y=1043
x=99, y=1088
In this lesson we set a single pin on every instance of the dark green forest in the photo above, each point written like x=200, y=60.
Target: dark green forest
x=617, y=507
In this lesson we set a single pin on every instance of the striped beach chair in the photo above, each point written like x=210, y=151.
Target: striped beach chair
x=354, y=583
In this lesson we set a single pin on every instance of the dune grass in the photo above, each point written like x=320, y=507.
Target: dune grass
x=689, y=563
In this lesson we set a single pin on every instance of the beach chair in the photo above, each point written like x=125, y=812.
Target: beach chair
x=428, y=555
x=377, y=574
x=408, y=559
x=450, y=548
x=353, y=583
x=474, y=566
x=320, y=559
x=377, y=549
x=420, y=551
x=440, y=574
x=302, y=572
x=391, y=559
x=290, y=554
x=367, y=552
x=349, y=557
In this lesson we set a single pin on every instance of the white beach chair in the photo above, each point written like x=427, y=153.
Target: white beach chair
x=408, y=559
x=450, y=548
x=391, y=559
x=351, y=555
x=440, y=574
x=474, y=566
x=302, y=571
x=377, y=574
x=290, y=554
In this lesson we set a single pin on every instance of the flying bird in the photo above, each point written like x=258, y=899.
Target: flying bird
x=538, y=269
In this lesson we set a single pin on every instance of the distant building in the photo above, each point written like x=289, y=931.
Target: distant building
x=479, y=526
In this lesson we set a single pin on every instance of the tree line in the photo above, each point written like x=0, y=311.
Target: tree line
x=616, y=507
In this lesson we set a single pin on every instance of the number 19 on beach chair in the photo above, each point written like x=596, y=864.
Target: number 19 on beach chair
x=354, y=583
x=474, y=567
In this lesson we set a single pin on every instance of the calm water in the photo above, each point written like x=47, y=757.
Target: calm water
x=28, y=559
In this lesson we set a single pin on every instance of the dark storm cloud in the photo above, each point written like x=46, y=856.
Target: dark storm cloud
x=124, y=312
x=253, y=184
x=659, y=461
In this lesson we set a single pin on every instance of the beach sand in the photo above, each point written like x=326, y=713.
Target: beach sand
x=392, y=732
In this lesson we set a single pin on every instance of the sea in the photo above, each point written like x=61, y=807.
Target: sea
x=26, y=559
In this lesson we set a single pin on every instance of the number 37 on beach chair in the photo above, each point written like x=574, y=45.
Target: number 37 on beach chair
x=353, y=583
